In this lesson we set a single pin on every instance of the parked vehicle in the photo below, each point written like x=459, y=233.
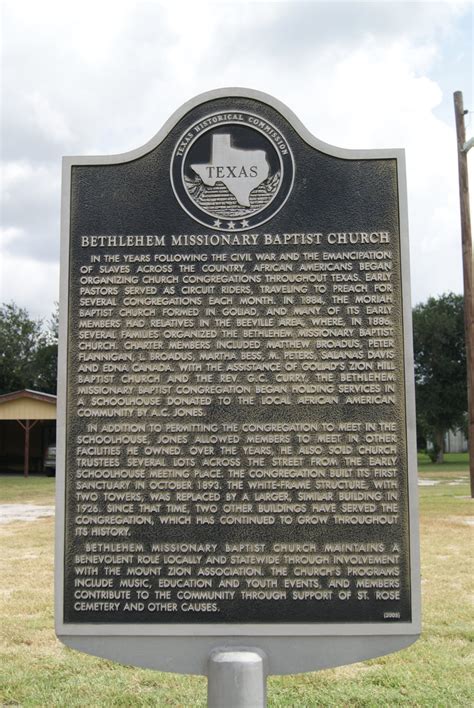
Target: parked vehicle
x=50, y=461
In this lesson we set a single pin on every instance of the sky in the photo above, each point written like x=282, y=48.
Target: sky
x=92, y=77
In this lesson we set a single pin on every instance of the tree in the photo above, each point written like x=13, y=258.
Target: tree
x=440, y=368
x=19, y=338
x=28, y=351
x=46, y=359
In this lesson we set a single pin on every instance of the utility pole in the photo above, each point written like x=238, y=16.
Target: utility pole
x=463, y=148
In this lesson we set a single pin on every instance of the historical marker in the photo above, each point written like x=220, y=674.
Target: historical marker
x=237, y=434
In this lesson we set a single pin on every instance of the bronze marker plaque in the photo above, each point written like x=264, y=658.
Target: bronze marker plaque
x=236, y=356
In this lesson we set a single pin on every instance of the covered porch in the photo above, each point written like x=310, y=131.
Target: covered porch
x=27, y=428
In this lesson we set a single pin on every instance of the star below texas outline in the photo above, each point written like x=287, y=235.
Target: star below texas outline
x=241, y=171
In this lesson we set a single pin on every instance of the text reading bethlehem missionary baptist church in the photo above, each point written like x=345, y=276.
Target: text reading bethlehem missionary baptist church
x=236, y=422
x=234, y=239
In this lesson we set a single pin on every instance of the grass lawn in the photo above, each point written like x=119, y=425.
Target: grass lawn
x=35, y=489
x=452, y=461
x=36, y=670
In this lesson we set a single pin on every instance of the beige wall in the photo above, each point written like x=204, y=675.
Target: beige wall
x=27, y=409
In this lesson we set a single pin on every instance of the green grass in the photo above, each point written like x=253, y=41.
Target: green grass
x=35, y=489
x=452, y=461
x=37, y=670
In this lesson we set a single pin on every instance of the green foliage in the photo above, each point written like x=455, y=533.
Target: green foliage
x=19, y=340
x=46, y=362
x=28, y=351
x=440, y=367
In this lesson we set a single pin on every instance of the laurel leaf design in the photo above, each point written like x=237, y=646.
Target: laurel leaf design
x=271, y=183
x=226, y=205
x=194, y=186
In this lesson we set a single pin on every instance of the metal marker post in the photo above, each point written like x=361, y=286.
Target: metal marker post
x=236, y=678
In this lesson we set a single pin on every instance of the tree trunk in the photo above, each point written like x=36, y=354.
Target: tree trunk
x=439, y=439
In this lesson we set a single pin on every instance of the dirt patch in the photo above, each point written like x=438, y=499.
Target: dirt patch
x=24, y=512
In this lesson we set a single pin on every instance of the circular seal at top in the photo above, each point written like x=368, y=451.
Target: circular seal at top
x=232, y=171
